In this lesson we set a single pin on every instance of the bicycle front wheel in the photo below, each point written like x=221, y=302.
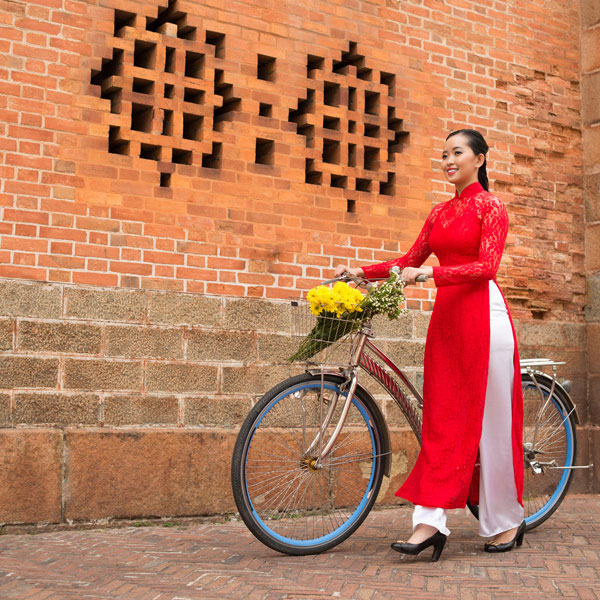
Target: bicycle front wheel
x=287, y=500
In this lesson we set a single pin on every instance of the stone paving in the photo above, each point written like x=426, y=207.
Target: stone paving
x=211, y=560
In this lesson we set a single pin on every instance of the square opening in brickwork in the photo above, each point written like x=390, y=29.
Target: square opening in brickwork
x=165, y=180
x=265, y=152
x=169, y=60
x=351, y=126
x=371, y=158
x=313, y=63
x=351, y=206
x=182, y=157
x=308, y=104
x=371, y=103
x=310, y=174
x=150, y=152
x=142, y=86
x=265, y=69
x=171, y=15
x=352, y=98
x=144, y=55
x=371, y=130
x=388, y=79
x=395, y=145
x=331, y=93
x=115, y=95
x=192, y=126
x=218, y=41
x=331, y=152
x=331, y=123
x=351, y=155
x=364, y=73
x=339, y=181
x=116, y=145
x=230, y=104
x=193, y=96
x=387, y=187
x=363, y=185
x=194, y=64
x=169, y=90
x=123, y=19
x=110, y=67
x=185, y=32
x=265, y=110
x=309, y=132
x=141, y=117
x=213, y=160
x=167, y=128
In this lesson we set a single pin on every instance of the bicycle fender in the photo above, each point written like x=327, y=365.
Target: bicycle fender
x=559, y=390
x=385, y=432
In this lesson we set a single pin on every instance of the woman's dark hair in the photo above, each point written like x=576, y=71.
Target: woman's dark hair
x=478, y=144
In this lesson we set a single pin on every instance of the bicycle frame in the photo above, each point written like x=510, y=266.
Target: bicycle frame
x=378, y=371
x=411, y=410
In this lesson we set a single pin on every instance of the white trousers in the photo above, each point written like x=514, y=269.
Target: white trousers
x=499, y=509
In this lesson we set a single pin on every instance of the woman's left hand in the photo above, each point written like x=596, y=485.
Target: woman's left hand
x=410, y=274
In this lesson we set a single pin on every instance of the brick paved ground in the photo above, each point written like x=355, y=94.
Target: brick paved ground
x=560, y=559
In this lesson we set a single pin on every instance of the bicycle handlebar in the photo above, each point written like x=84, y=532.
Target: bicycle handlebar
x=347, y=276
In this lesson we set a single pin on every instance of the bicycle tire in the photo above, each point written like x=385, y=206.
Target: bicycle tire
x=567, y=451
x=264, y=481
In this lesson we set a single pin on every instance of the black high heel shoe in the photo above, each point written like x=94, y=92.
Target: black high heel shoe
x=506, y=546
x=437, y=540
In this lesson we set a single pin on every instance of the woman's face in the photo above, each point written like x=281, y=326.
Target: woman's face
x=459, y=163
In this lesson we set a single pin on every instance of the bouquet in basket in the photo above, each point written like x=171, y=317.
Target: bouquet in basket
x=342, y=309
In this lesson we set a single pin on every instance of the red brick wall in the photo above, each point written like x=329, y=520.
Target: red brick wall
x=75, y=212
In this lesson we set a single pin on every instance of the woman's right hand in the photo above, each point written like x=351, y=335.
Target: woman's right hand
x=357, y=271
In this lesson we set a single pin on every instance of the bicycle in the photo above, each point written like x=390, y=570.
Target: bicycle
x=311, y=455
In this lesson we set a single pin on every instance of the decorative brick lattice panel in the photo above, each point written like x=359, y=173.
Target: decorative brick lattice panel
x=349, y=122
x=167, y=90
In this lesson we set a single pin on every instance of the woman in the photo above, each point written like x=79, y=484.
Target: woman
x=472, y=395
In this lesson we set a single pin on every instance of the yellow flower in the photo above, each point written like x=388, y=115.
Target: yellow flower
x=337, y=300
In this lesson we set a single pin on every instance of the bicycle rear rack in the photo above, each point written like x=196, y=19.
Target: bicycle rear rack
x=530, y=365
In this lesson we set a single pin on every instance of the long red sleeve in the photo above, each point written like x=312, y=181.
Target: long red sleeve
x=415, y=257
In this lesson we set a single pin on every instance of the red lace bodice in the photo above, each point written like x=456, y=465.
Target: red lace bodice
x=467, y=234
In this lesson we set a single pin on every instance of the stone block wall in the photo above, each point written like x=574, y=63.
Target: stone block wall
x=126, y=403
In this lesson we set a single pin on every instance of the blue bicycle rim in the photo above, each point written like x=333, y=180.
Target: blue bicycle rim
x=565, y=476
x=365, y=498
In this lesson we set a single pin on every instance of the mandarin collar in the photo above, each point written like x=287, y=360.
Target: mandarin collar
x=470, y=190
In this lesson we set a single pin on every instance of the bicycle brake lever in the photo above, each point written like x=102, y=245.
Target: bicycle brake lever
x=345, y=276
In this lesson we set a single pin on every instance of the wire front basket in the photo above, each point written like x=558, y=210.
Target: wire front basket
x=325, y=339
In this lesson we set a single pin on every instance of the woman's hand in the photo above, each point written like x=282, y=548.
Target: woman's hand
x=357, y=272
x=410, y=274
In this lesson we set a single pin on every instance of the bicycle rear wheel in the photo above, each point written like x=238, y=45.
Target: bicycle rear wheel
x=284, y=499
x=549, y=453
